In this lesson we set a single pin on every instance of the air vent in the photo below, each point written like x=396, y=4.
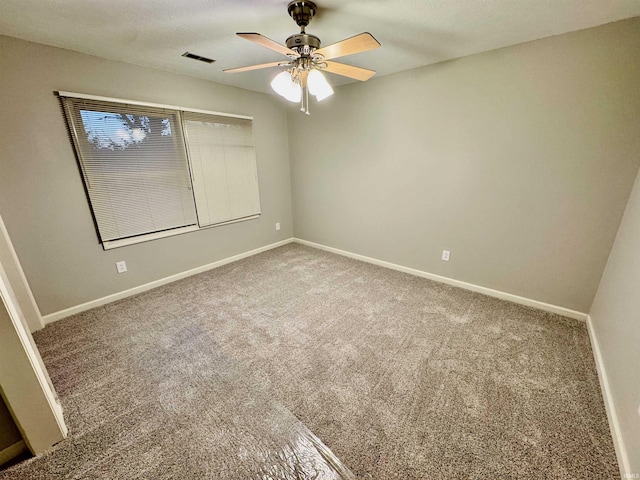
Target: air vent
x=197, y=57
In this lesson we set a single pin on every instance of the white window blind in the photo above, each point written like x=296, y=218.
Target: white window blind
x=223, y=163
x=134, y=167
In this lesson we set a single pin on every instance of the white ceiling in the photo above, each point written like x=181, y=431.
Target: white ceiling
x=413, y=33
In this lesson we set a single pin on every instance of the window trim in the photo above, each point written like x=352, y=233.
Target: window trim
x=110, y=244
x=148, y=104
x=147, y=237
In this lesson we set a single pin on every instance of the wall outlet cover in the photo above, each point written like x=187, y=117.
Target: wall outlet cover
x=121, y=266
x=446, y=255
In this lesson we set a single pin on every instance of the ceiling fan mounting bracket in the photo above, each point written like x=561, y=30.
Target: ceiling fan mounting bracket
x=302, y=12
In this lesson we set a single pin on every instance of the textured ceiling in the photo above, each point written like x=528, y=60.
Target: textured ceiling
x=413, y=33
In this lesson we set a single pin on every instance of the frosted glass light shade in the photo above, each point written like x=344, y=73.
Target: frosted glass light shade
x=284, y=86
x=281, y=82
x=295, y=93
x=318, y=85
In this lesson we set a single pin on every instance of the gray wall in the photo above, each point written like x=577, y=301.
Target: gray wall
x=615, y=314
x=520, y=161
x=41, y=195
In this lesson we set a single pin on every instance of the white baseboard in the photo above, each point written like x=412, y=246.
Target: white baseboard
x=565, y=312
x=52, y=317
x=12, y=451
x=612, y=415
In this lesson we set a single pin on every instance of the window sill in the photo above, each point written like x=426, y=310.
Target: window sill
x=169, y=233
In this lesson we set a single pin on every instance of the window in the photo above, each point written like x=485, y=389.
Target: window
x=153, y=171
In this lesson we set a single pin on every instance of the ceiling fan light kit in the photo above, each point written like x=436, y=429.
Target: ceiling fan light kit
x=302, y=75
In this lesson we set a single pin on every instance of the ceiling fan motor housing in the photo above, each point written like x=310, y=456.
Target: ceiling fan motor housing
x=302, y=12
x=303, y=43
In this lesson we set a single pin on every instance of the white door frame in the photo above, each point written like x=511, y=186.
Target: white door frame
x=25, y=383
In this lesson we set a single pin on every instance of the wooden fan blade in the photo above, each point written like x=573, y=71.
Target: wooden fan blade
x=267, y=42
x=253, y=67
x=350, y=71
x=357, y=44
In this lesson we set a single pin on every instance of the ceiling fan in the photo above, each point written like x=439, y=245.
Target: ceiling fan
x=302, y=74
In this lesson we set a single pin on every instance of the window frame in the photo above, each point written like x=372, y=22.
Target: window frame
x=110, y=244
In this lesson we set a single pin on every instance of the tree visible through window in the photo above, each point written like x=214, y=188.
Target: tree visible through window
x=115, y=130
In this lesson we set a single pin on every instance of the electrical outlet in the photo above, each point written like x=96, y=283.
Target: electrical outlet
x=278, y=226
x=121, y=266
x=446, y=254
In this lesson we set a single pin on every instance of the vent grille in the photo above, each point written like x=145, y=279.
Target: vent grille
x=198, y=57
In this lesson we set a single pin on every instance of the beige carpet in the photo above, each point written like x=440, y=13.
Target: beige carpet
x=399, y=376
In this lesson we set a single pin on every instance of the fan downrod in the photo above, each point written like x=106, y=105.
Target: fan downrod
x=302, y=12
x=304, y=43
